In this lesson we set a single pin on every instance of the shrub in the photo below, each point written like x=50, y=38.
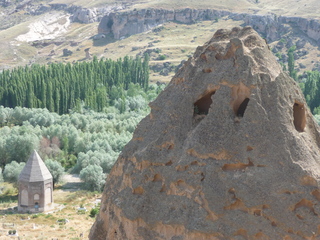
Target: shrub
x=12, y=170
x=94, y=212
x=162, y=57
x=93, y=178
x=56, y=170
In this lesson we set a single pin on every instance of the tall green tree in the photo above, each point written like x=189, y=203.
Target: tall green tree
x=291, y=63
x=312, y=90
x=56, y=170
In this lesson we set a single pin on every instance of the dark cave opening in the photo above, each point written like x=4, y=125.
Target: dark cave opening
x=299, y=116
x=242, y=107
x=201, y=106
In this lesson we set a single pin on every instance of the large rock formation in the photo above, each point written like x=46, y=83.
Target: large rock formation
x=126, y=23
x=229, y=151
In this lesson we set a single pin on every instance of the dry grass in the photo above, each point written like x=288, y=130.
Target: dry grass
x=176, y=41
x=306, y=8
x=45, y=226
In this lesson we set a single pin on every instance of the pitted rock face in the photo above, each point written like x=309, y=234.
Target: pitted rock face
x=229, y=151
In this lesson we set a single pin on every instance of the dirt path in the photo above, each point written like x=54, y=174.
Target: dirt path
x=71, y=182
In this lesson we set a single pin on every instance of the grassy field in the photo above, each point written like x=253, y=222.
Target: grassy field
x=176, y=41
x=46, y=226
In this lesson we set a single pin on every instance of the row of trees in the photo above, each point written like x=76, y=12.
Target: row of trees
x=76, y=141
x=60, y=87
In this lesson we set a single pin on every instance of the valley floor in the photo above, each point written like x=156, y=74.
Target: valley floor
x=46, y=226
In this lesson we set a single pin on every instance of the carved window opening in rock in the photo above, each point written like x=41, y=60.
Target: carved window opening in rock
x=240, y=99
x=202, y=105
x=299, y=116
x=242, y=107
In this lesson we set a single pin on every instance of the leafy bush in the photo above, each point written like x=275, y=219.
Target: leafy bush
x=94, y=212
x=93, y=177
x=162, y=57
x=12, y=171
x=56, y=170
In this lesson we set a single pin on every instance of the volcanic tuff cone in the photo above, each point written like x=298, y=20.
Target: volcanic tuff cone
x=229, y=151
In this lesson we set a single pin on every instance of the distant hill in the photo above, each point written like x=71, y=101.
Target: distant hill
x=60, y=31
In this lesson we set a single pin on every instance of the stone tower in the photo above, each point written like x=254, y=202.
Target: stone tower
x=229, y=150
x=35, y=186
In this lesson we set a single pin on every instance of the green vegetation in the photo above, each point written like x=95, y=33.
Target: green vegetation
x=311, y=90
x=162, y=57
x=61, y=87
x=93, y=177
x=94, y=211
x=292, y=71
x=55, y=169
x=90, y=137
x=12, y=170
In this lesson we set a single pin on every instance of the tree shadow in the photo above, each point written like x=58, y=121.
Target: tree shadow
x=8, y=198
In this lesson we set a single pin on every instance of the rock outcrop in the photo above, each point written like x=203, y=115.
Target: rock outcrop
x=229, y=151
x=126, y=23
x=88, y=15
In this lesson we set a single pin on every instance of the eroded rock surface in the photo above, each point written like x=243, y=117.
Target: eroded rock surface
x=229, y=151
x=125, y=23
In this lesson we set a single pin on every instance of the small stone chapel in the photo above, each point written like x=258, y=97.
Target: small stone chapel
x=35, y=186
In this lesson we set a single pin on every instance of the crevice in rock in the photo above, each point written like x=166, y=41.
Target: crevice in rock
x=306, y=204
x=249, y=148
x=237, y=166
x=299, y=116
x=139, y=190
x=169, y=163
x=157, y=178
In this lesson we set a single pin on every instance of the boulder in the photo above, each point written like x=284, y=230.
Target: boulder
x=66, y=52
x=85, y=15
x=229, y=150
x=301, y=43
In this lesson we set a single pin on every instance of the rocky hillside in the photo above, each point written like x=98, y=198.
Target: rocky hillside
x=52, y=31
x=229, y=151
x=271, y=26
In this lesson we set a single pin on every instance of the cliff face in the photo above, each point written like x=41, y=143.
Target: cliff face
x=88, y=15
x=127, y=23
x=229, y=151
x=122, y=24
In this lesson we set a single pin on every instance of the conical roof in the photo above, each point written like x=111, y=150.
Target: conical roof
x=35, y=170
x=229, y=151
